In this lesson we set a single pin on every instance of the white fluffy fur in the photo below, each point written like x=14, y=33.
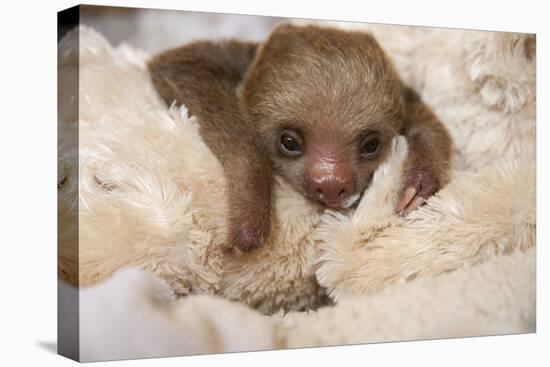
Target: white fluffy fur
x=134, y=315
x=151, y=195
x=494, y=298
x=481, y=300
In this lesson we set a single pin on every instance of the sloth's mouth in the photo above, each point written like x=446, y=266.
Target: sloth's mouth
x=344, y=204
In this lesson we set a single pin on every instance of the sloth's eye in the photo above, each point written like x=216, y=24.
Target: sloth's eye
x=371, y=147
x=290, y=143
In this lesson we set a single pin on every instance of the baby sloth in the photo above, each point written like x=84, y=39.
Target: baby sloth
x=317, y=106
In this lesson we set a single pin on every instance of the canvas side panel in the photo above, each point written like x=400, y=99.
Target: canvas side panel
x=67, y=183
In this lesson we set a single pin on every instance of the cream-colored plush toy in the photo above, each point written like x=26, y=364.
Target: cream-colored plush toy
x=151, y=195
x=134, y=315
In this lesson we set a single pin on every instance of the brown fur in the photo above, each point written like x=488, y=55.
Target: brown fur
x=333, y=88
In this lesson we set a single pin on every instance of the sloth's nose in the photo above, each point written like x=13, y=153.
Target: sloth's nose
x=331, y=189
